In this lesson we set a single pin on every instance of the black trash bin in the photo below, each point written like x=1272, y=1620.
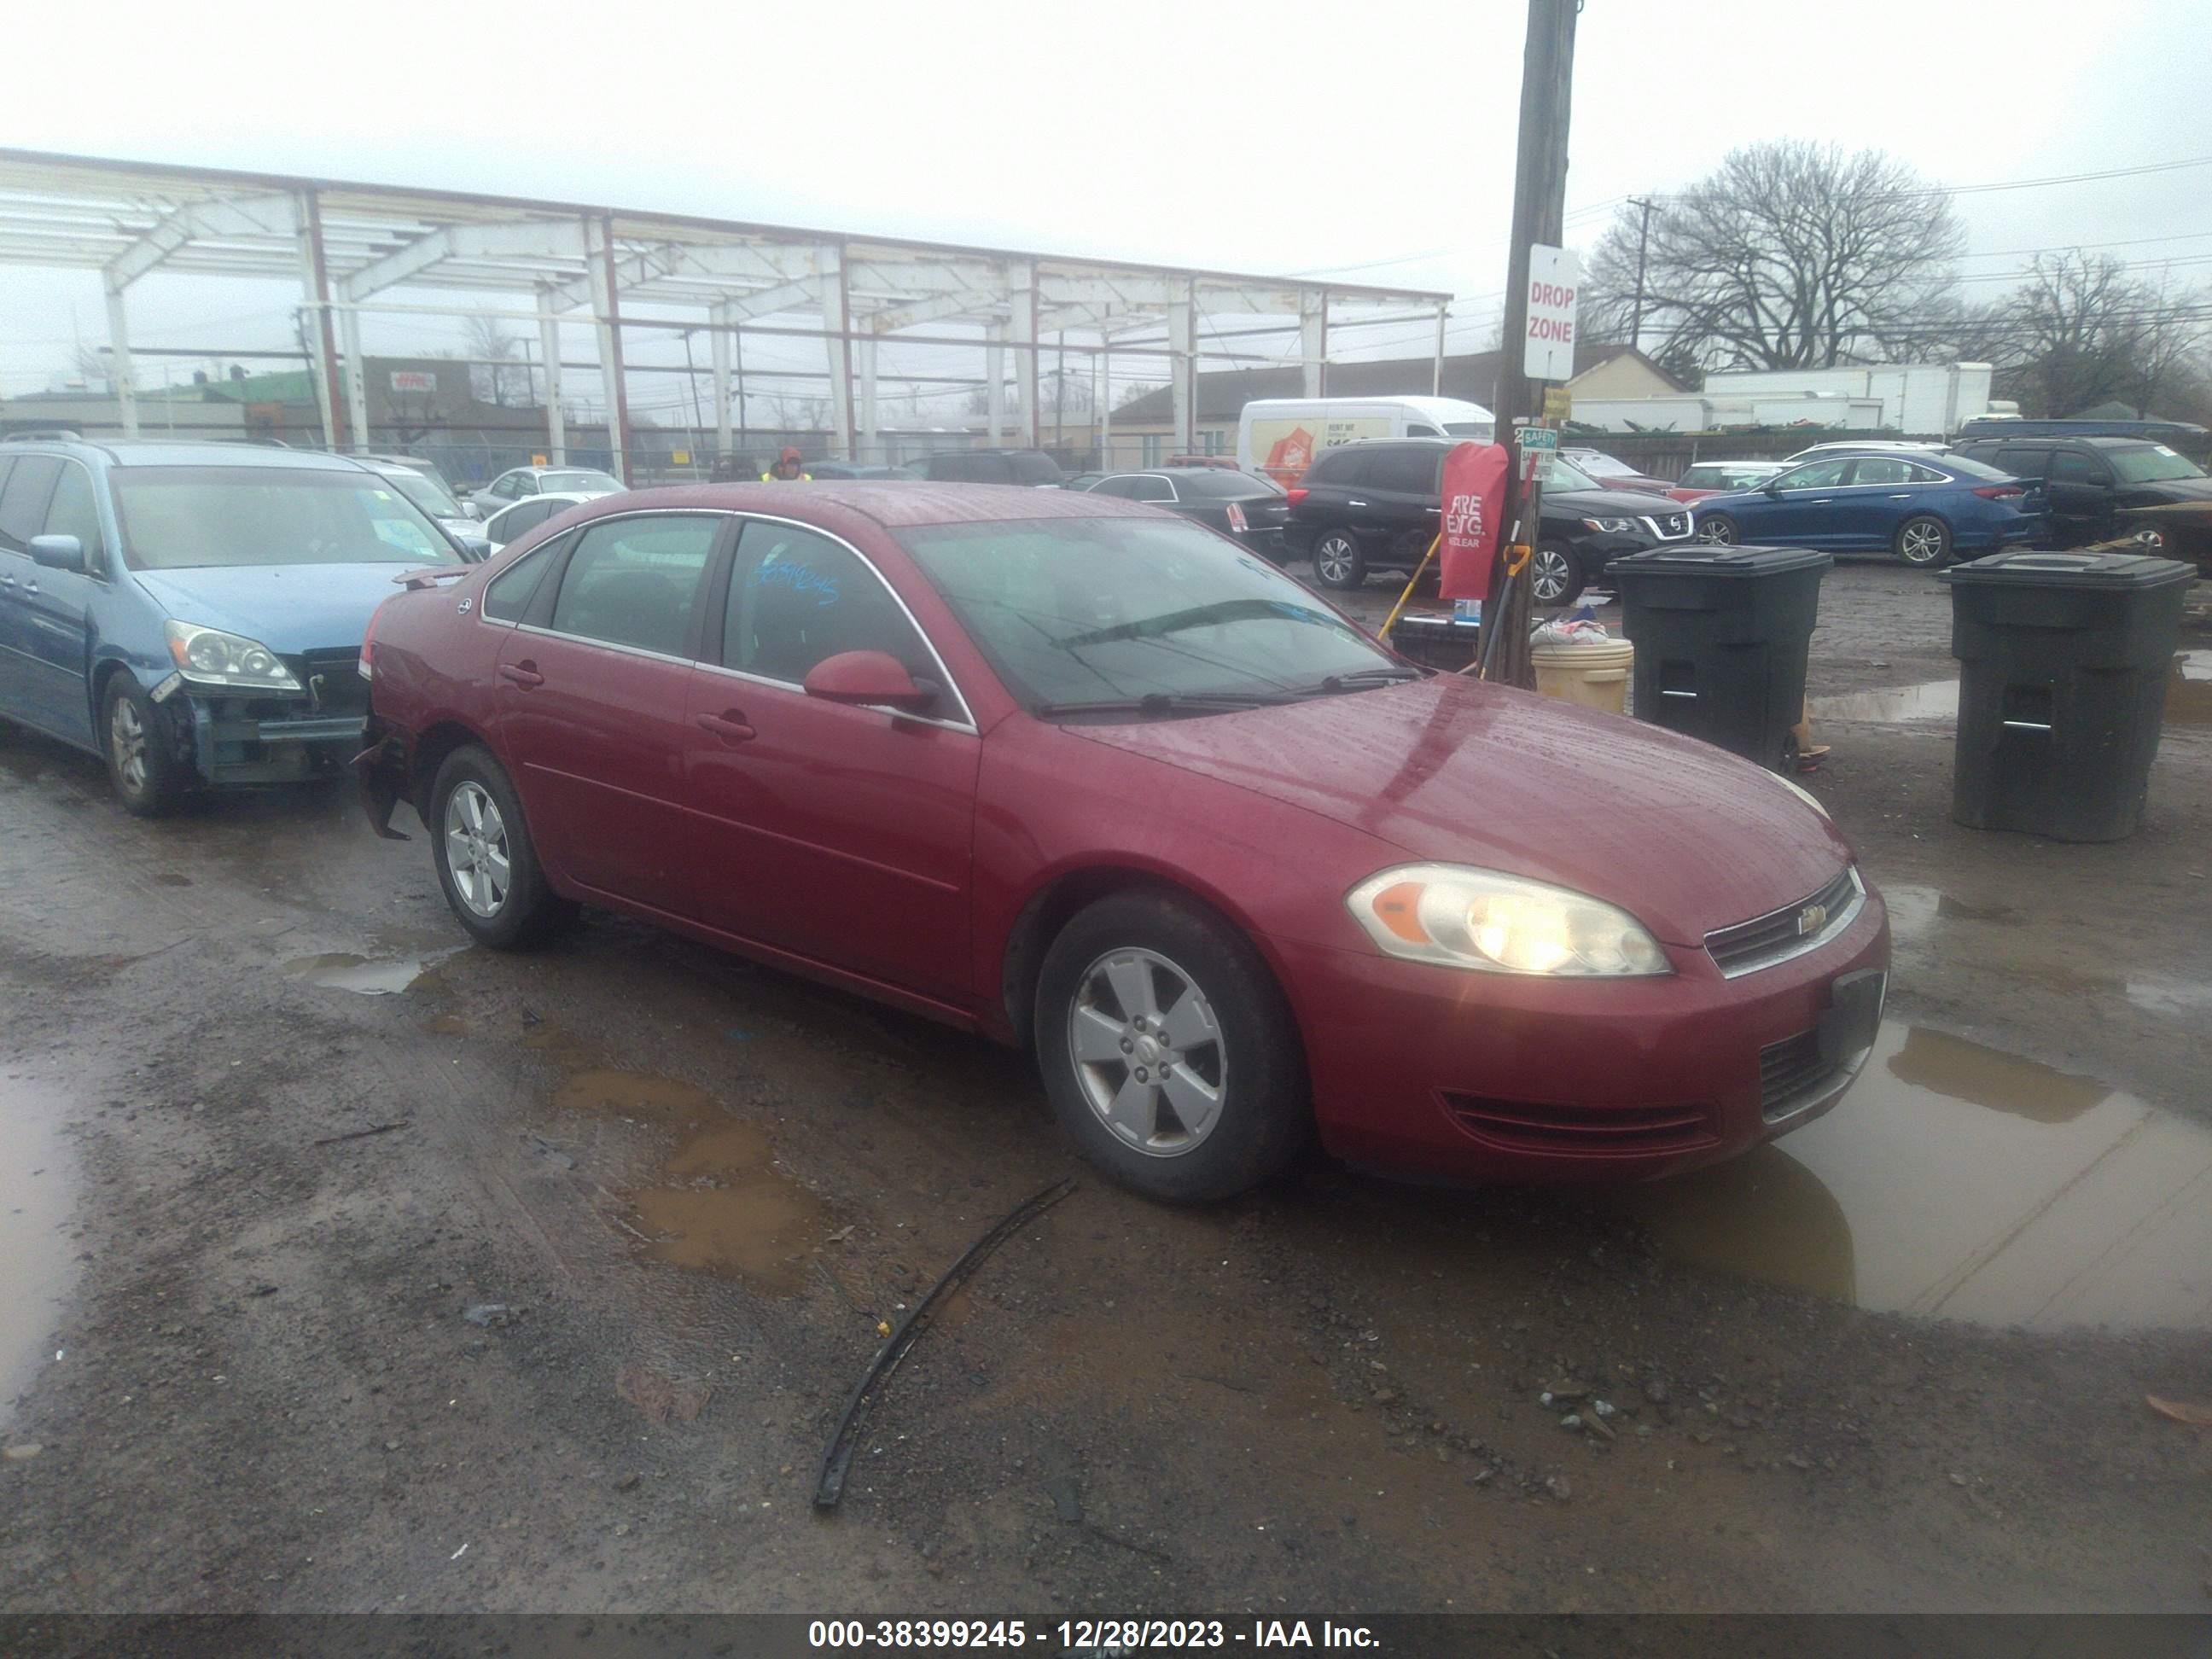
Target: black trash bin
x=1435, y=641
x=2064, y=659
x=1721, y=634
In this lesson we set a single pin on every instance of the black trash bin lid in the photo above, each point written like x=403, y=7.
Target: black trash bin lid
x=1720, y=559
x=2021, y=568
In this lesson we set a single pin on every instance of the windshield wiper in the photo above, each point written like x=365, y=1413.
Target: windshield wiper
x=1170, y=703
x=1359, y=680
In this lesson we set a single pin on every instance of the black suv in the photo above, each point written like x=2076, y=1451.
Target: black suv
x=1032, y=467
x=1368, y=507
x=2087, y=481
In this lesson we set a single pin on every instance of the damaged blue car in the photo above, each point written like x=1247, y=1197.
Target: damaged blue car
x=193, y=613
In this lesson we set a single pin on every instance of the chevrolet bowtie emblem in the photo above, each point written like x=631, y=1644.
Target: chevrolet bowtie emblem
x=1811, y=920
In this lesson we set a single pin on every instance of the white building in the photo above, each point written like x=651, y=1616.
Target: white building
x=1921, y=400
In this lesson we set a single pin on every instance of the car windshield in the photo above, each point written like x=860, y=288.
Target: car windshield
x=1076, y=610
x=1565, y=475
x=427, y=493
x=2152, y=463
x=1604, y=466
x=581, y=480
x=175, y=517
x=1466, y=428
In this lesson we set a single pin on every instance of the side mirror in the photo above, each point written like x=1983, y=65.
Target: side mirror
x=471, y=507
x=874, y=678
x=58, y=552
x=1773, y=489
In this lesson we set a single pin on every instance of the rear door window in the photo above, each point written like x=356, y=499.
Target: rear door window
x=1147, y=487
x=23, y=498
x=1408, y=471
x=636, y=581
x=2020, y=461
x=1885, y=470
x=1340, y=466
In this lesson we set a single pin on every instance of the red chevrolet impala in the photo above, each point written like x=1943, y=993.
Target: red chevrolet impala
x=1073, y=773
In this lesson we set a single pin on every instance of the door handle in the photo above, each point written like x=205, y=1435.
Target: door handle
x=523, y=674
x=30, y=587
x=729, y=726
x=1355, y=504
x=1901, y=498
x=7, y=581
x=1432, y=509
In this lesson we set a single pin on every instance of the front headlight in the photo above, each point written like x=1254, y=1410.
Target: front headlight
x=208, y=656
x=1462, y=917
x=1607, y=526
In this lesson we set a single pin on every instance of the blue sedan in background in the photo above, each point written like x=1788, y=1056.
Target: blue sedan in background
x=193, y=613
x=1924, y=509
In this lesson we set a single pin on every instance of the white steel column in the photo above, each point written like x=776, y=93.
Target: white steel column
x=1025, y=333
x=549, y=343
x=837, y=322
x=1182, y=361
x=121, y=374
x=868, y=450
x=1104, y=399
x=994, y=371
x=599, y=237
x=1436, y=374
x=313, y=305
x=718, y=344
x=355, y=372
x=1313, y=336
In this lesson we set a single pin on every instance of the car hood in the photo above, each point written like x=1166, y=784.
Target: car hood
x=2168, y=489
x=1682, y=835
x=1610, y=503
x=289, y=608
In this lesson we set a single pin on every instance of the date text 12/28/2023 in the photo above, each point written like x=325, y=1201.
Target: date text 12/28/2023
x=1087, y=1636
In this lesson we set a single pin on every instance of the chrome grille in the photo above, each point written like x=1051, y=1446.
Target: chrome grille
x=1777, y=936
x=1669, y=526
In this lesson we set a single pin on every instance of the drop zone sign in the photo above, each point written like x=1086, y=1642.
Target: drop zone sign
x=1555, y=281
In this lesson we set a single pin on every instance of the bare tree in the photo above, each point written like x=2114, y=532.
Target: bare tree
x=1790, y=255
x=499, y=376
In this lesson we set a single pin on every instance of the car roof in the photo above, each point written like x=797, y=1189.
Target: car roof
x=891, y=503
x=163, y=452
x=2096, y=439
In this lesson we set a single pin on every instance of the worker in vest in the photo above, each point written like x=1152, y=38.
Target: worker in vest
x=786, y=469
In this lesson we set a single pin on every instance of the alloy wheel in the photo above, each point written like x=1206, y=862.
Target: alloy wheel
x=1149, y=1053
x=476, y=848
x=1549, y=574
x=126, y=742
x=1332, y=560
x=1718, y=532
x=1921, y=542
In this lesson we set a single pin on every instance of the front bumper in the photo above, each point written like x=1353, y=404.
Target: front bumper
x=1445, y=1074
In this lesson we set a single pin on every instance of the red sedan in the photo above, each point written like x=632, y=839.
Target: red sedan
x=1075, y=773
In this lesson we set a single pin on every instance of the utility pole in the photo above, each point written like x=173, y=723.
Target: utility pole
x=1642, y=241
x=1539, y=211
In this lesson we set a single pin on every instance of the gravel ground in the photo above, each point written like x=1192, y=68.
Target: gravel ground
x=367, y=1301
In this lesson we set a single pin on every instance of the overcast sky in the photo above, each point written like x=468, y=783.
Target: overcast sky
x=1377, y=144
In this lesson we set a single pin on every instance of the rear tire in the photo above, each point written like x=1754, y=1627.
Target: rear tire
x=1718, y=529
x=134, y=737
x=1143, y=980
x=487, y=864
x=1337, y=561
x=1555, y=575
x=1923, y=542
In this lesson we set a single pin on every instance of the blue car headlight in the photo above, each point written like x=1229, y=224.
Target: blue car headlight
x=208, y=656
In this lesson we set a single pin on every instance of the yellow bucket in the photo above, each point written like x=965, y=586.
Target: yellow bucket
x=1595, y=676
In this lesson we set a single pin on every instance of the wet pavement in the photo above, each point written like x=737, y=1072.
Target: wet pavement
x=37, y=1173
x=1959, y=1182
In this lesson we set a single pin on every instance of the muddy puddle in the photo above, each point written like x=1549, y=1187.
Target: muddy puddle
x=373, y=976
x=718, y=1204
x=1958, y=1182
x=2188, y=698
x=1916, y=911
x=35, y=1179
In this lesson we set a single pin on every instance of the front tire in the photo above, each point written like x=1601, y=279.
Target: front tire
x=487, y=864
x=1170, y=1056
x=1923, y=542
x=1338, y=562
x=1555, y=575
x=141, y=765
x=1718, y=529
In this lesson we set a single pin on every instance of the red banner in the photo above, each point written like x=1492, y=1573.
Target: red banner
x=1473, y=502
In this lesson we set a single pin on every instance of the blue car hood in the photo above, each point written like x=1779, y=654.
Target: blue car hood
x=289, y=608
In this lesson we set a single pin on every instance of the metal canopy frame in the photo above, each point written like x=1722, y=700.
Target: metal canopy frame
x=351, y=245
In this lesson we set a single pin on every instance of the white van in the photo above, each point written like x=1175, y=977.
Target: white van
x=1279, y=437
